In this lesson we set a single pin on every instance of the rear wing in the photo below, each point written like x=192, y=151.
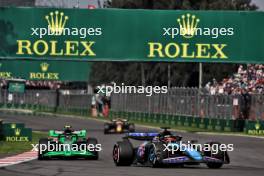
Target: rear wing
x=141, y=136
x=116, y=120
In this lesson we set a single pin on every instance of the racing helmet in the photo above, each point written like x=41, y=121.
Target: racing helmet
x=68, y=129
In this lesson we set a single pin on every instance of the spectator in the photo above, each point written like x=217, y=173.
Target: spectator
x=250, y=79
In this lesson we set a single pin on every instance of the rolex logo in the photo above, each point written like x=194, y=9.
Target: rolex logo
x=257, y=126
x=17, y=131
x=13, y=125
x=188, y=25
x=44, y=66
x=56, y=22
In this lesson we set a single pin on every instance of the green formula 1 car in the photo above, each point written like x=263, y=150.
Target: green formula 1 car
x=68, y=144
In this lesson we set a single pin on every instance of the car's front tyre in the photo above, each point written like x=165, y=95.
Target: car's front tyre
x=221, y=155
x=123, y=153
x=106, y=128
x=95, y=153
x=43, y=142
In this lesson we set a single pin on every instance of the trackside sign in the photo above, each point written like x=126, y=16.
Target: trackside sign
x=16, y=132
x=255, y=127
x=131, y=35
x=45, y=70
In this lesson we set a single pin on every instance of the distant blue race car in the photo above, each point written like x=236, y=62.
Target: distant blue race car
x=155, y=151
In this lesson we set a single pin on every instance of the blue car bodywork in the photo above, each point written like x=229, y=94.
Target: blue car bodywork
x=152, y=151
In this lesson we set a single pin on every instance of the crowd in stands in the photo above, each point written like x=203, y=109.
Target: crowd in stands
x=38, y=84
x=43, y=84
x=249, y=78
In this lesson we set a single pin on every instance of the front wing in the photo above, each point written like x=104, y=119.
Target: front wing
x=55, y=154
x=186, y=160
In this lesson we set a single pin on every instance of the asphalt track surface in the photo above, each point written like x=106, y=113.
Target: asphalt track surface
x=246, y=159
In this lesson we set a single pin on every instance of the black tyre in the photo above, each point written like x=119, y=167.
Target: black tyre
x=95, y=153
x=106, y=128
x=131, y=127
x=219, y=155
x=42, y=143
x=123, y=153
x=156, y=154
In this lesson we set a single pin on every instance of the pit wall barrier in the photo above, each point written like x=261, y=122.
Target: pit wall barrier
x=194, y=123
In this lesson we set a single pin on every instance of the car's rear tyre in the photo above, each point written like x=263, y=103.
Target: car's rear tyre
x=131, y=127
x=42, y=142
x=156, y=154
x=95, y=153
x=106, y=128
x=219, y=155
x=123, y=153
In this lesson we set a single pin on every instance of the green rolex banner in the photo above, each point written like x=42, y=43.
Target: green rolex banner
x=45, y=70
x=132, y=35
x=16, y=132
x=254, y=127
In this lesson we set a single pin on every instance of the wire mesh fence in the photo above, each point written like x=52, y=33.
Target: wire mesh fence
x=48, y=98
x=191, y=102
x=179, y=101
x=33, y=97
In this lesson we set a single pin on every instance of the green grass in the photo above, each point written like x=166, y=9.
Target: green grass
x=10, y=148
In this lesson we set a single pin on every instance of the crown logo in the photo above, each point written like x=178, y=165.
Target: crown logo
x=188, y=25
x=13, y=125
x=44, y=66
x=17, y=132
x=257, y=126
x=56, y=22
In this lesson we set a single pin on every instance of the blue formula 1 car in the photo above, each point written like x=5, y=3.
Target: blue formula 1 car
x=165, y=149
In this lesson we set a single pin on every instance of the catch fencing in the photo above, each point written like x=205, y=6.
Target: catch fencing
x=192, y=102
x=178, y=101
x=48, y=98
